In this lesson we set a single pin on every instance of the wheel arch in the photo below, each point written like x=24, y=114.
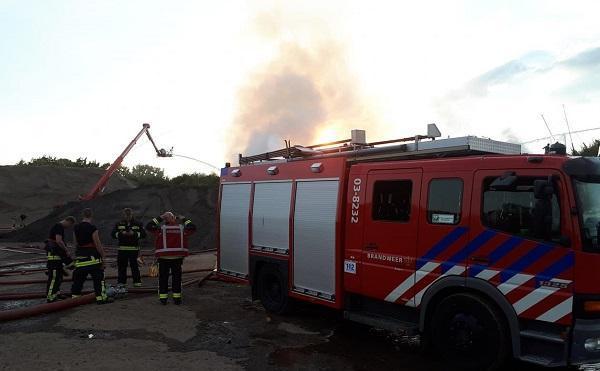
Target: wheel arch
x=259, y=262
x=456, y=284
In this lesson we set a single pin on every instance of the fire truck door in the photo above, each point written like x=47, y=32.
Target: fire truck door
x=390, y=234
x=523, y=226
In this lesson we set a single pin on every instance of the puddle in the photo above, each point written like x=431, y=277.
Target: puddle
x=18, y=304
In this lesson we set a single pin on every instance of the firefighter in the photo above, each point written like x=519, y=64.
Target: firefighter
x=171, y=247
x=58, y=257
x=89, y=258
x=129, y=232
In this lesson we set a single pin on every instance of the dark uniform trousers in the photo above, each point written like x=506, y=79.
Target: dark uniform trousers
x=89, y=266
x=174, y=267
x=130, y=257
x=55, y=265
x=55, y=278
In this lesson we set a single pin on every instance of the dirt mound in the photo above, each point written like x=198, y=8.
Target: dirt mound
x=196, y=203
x=36, y=190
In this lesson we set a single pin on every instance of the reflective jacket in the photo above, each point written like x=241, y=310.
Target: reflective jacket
x=127, y=241
x=171, y=240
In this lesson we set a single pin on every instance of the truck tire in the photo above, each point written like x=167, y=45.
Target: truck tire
x=469, y=333
x=273, y=290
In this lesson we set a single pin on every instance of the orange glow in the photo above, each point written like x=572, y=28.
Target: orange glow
x=329, y=133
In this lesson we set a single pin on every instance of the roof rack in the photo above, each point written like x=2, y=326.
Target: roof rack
x=358, y=150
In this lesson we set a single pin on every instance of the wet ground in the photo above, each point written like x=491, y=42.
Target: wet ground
x=217, y=328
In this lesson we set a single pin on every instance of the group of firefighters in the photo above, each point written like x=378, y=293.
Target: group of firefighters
x=171, y=247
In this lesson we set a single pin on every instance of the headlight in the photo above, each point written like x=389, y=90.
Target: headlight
x=592, y=345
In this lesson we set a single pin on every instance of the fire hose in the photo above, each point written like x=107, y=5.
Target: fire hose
x=29, y=282
x=14, y=314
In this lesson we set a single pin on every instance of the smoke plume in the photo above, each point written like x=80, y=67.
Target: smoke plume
x=301, y=91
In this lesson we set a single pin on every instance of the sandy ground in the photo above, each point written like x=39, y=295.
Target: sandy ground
x=217, y=328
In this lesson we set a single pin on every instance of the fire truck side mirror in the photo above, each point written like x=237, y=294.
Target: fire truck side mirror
x=505, y=182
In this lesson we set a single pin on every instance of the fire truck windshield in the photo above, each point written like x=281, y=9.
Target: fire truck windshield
x=588, y=194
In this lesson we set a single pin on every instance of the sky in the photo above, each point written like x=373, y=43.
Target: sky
x=218, y=78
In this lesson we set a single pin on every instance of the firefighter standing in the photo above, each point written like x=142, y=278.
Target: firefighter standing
x=89, y=258
x=129, y=232
x=171, y=247
x=58, y=255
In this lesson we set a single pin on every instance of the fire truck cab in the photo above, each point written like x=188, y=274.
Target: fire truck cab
x=483, y=252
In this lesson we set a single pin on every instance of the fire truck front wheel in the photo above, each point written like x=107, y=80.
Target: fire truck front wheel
x=469, y=333
x=272, y=290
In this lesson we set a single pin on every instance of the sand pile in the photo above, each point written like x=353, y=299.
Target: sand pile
x=197, y=203
x=35, y=191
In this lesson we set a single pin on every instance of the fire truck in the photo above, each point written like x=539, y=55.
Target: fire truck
x=482, y=251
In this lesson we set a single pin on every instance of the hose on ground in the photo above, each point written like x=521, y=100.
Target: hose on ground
x=69, y=279
x=14, y=314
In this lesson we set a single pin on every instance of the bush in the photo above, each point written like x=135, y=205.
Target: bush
x=63, y=162
x=141, y=174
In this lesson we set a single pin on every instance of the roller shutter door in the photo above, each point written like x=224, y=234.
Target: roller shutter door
x=235, y=206
x=271, y=216
x=315, y=218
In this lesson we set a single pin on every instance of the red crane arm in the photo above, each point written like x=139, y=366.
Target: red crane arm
x=99, y=186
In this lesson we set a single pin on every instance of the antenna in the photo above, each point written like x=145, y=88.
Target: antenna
x=569, y=130
x=548, y=127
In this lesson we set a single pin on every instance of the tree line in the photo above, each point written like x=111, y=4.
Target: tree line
x=141, y=174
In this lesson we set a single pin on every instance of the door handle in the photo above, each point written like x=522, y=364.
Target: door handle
x=371, y=246
x=483, y=260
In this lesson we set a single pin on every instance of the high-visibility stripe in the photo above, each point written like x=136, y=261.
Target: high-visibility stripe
x=558, y=267
x=174, y=249
x=163, y=296
x=139, y=234
x=50, y=289
x=129, y=248
x=164, y=233
x=99, y=298
x=469, y=249
x=187, y=222
x=441, y=246
x=135, y=227
x=528, y=259
x=410, y=282
x=558, y=311
x=176, y=295
x=514, y=282
x=533, y=298
x=487, y=274
x=117, y=234
x=53, y=257
x=121, y=227
x=87, y=263
x=156, y=221
x=454, y=271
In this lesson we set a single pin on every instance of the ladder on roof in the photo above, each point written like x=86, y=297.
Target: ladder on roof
x=418, y=146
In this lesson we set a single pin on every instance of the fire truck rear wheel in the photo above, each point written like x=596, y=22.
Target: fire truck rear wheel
x=272, y=290
x=469, y=333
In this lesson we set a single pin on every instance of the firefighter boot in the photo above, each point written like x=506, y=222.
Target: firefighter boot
x=105, y=301
x=163, y=298
x=177, y=298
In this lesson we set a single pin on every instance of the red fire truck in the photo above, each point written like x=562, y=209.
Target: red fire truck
x=482, y=251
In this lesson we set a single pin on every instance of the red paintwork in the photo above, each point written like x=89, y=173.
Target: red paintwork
x=407, y=243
